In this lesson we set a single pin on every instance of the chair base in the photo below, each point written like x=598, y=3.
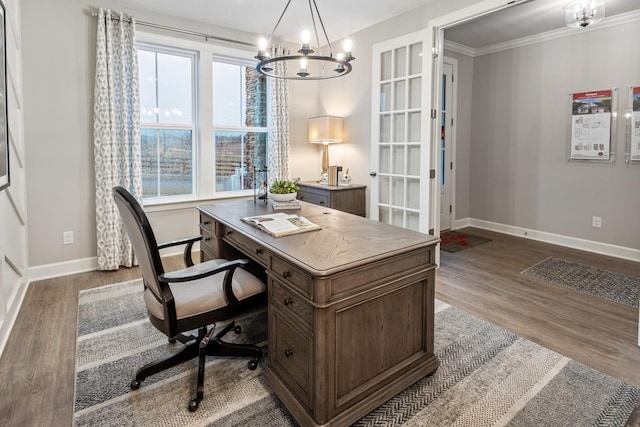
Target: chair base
x=215, y=347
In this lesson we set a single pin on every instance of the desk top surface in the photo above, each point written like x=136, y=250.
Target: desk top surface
x=345, y=240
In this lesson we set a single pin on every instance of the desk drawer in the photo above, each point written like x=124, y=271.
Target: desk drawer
x=290, y=355
x=250, y=248
x=290, y=303
x=291, y=276
x=315, y=198
x=208, y=244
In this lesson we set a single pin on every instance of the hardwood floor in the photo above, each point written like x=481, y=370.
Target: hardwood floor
x=37, y=365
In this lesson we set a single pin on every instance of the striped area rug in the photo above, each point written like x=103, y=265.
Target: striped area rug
x=487, y=377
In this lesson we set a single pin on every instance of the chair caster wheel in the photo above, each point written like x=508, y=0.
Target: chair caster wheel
x=135, y=385
x=237, y=329
x=252, y=365
x=193, y=405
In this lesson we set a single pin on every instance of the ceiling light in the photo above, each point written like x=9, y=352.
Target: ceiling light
x=581, y=13
x=305, y=65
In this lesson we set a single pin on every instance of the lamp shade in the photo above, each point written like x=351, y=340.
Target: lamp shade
x=326, y=130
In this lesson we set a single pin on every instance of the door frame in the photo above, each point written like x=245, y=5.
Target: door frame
x=452, y=113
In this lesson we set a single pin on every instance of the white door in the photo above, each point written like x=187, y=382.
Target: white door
x=401, y=130
x=445, y=166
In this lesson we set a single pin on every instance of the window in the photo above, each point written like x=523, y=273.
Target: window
x=168, y=127
x=201, y=136
x=240, y=124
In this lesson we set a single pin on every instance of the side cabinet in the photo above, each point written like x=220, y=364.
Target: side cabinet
x=351, y=199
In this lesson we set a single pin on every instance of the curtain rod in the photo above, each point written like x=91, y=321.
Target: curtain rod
x=94, y=13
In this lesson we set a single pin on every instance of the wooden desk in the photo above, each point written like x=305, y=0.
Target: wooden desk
x=350, y=312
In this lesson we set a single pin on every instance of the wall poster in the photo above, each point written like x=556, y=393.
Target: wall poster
x=591, y=125
x=635, y=124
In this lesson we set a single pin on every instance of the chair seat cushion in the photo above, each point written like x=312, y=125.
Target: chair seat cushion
x=207, y=294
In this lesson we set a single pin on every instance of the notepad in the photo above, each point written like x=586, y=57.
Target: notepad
x=281, y=224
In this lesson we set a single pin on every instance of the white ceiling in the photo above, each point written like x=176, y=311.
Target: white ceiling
x=344, y=17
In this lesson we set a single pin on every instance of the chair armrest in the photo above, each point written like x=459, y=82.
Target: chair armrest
x=189, y=241
x=186, y=277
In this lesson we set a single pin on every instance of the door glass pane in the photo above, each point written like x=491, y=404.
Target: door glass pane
x=398, y=127
x=400, y=69
x=383, y=214
x=397, y=192
x=413, y=160
x=400, y=95
x=398, y=160
x=385, y=97
x=397, y=217
x=384, y=189
x=413, y=221
x=415, y=93
x=415, y=58
x=413, y=193
x=385, y=128
x=385, y=159
x=385, y=65
x=414, y=127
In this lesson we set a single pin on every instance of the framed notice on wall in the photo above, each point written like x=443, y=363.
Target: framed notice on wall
x=591, y=123
x=635, y=123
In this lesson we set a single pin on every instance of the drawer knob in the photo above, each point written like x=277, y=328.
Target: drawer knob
x=207, y=239
x=322, y=202
x=288, y=301
x=206, y=222
x=288, y=352
x=258, y=251
x=286, y=274
x=229, y=232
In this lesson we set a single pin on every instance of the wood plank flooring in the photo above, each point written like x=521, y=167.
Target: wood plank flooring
x=37, y=366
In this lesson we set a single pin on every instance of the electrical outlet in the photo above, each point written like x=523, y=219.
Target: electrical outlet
x=67, y=238
x=596, y=222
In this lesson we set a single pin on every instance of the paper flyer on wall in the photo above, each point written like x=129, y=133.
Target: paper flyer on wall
x=635, y=125
x=591, y=125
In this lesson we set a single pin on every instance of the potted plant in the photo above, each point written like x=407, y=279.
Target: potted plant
x=283, y=190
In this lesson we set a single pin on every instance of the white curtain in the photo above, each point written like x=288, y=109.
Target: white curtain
x=278, y=147
x=116, y=128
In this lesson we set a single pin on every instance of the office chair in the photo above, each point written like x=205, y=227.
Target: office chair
x=189, y=299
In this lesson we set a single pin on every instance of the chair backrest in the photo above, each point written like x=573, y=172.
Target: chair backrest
x=142, y=238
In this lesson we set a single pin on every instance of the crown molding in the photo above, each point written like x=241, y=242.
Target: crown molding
x=612, y=21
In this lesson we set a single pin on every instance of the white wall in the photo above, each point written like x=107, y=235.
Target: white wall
x=59, y=66
x=13, y=200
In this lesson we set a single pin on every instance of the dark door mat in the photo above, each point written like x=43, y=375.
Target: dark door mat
x=453, y=241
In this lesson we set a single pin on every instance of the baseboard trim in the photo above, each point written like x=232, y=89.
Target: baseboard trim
x=556, y=239
x=59, y=269
x=6, y=325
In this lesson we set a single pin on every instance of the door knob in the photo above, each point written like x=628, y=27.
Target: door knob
x=373, y=173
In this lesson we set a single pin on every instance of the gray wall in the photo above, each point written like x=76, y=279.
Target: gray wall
x=518, y=169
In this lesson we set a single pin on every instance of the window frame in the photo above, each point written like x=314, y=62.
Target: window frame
x=203, y=117
x=194, y=55
x=242, y=129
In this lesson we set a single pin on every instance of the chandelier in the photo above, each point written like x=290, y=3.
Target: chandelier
x=305, y=65
x=581, y=13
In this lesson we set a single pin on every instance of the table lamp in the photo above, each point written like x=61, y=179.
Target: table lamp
x=325, y=130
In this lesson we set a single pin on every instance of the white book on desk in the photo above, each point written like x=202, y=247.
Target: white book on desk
x=281, y=224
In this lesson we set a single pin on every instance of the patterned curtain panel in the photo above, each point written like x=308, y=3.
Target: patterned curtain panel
x=116, y=127
x=278, y=149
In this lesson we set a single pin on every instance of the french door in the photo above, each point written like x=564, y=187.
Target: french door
x=401, y=131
